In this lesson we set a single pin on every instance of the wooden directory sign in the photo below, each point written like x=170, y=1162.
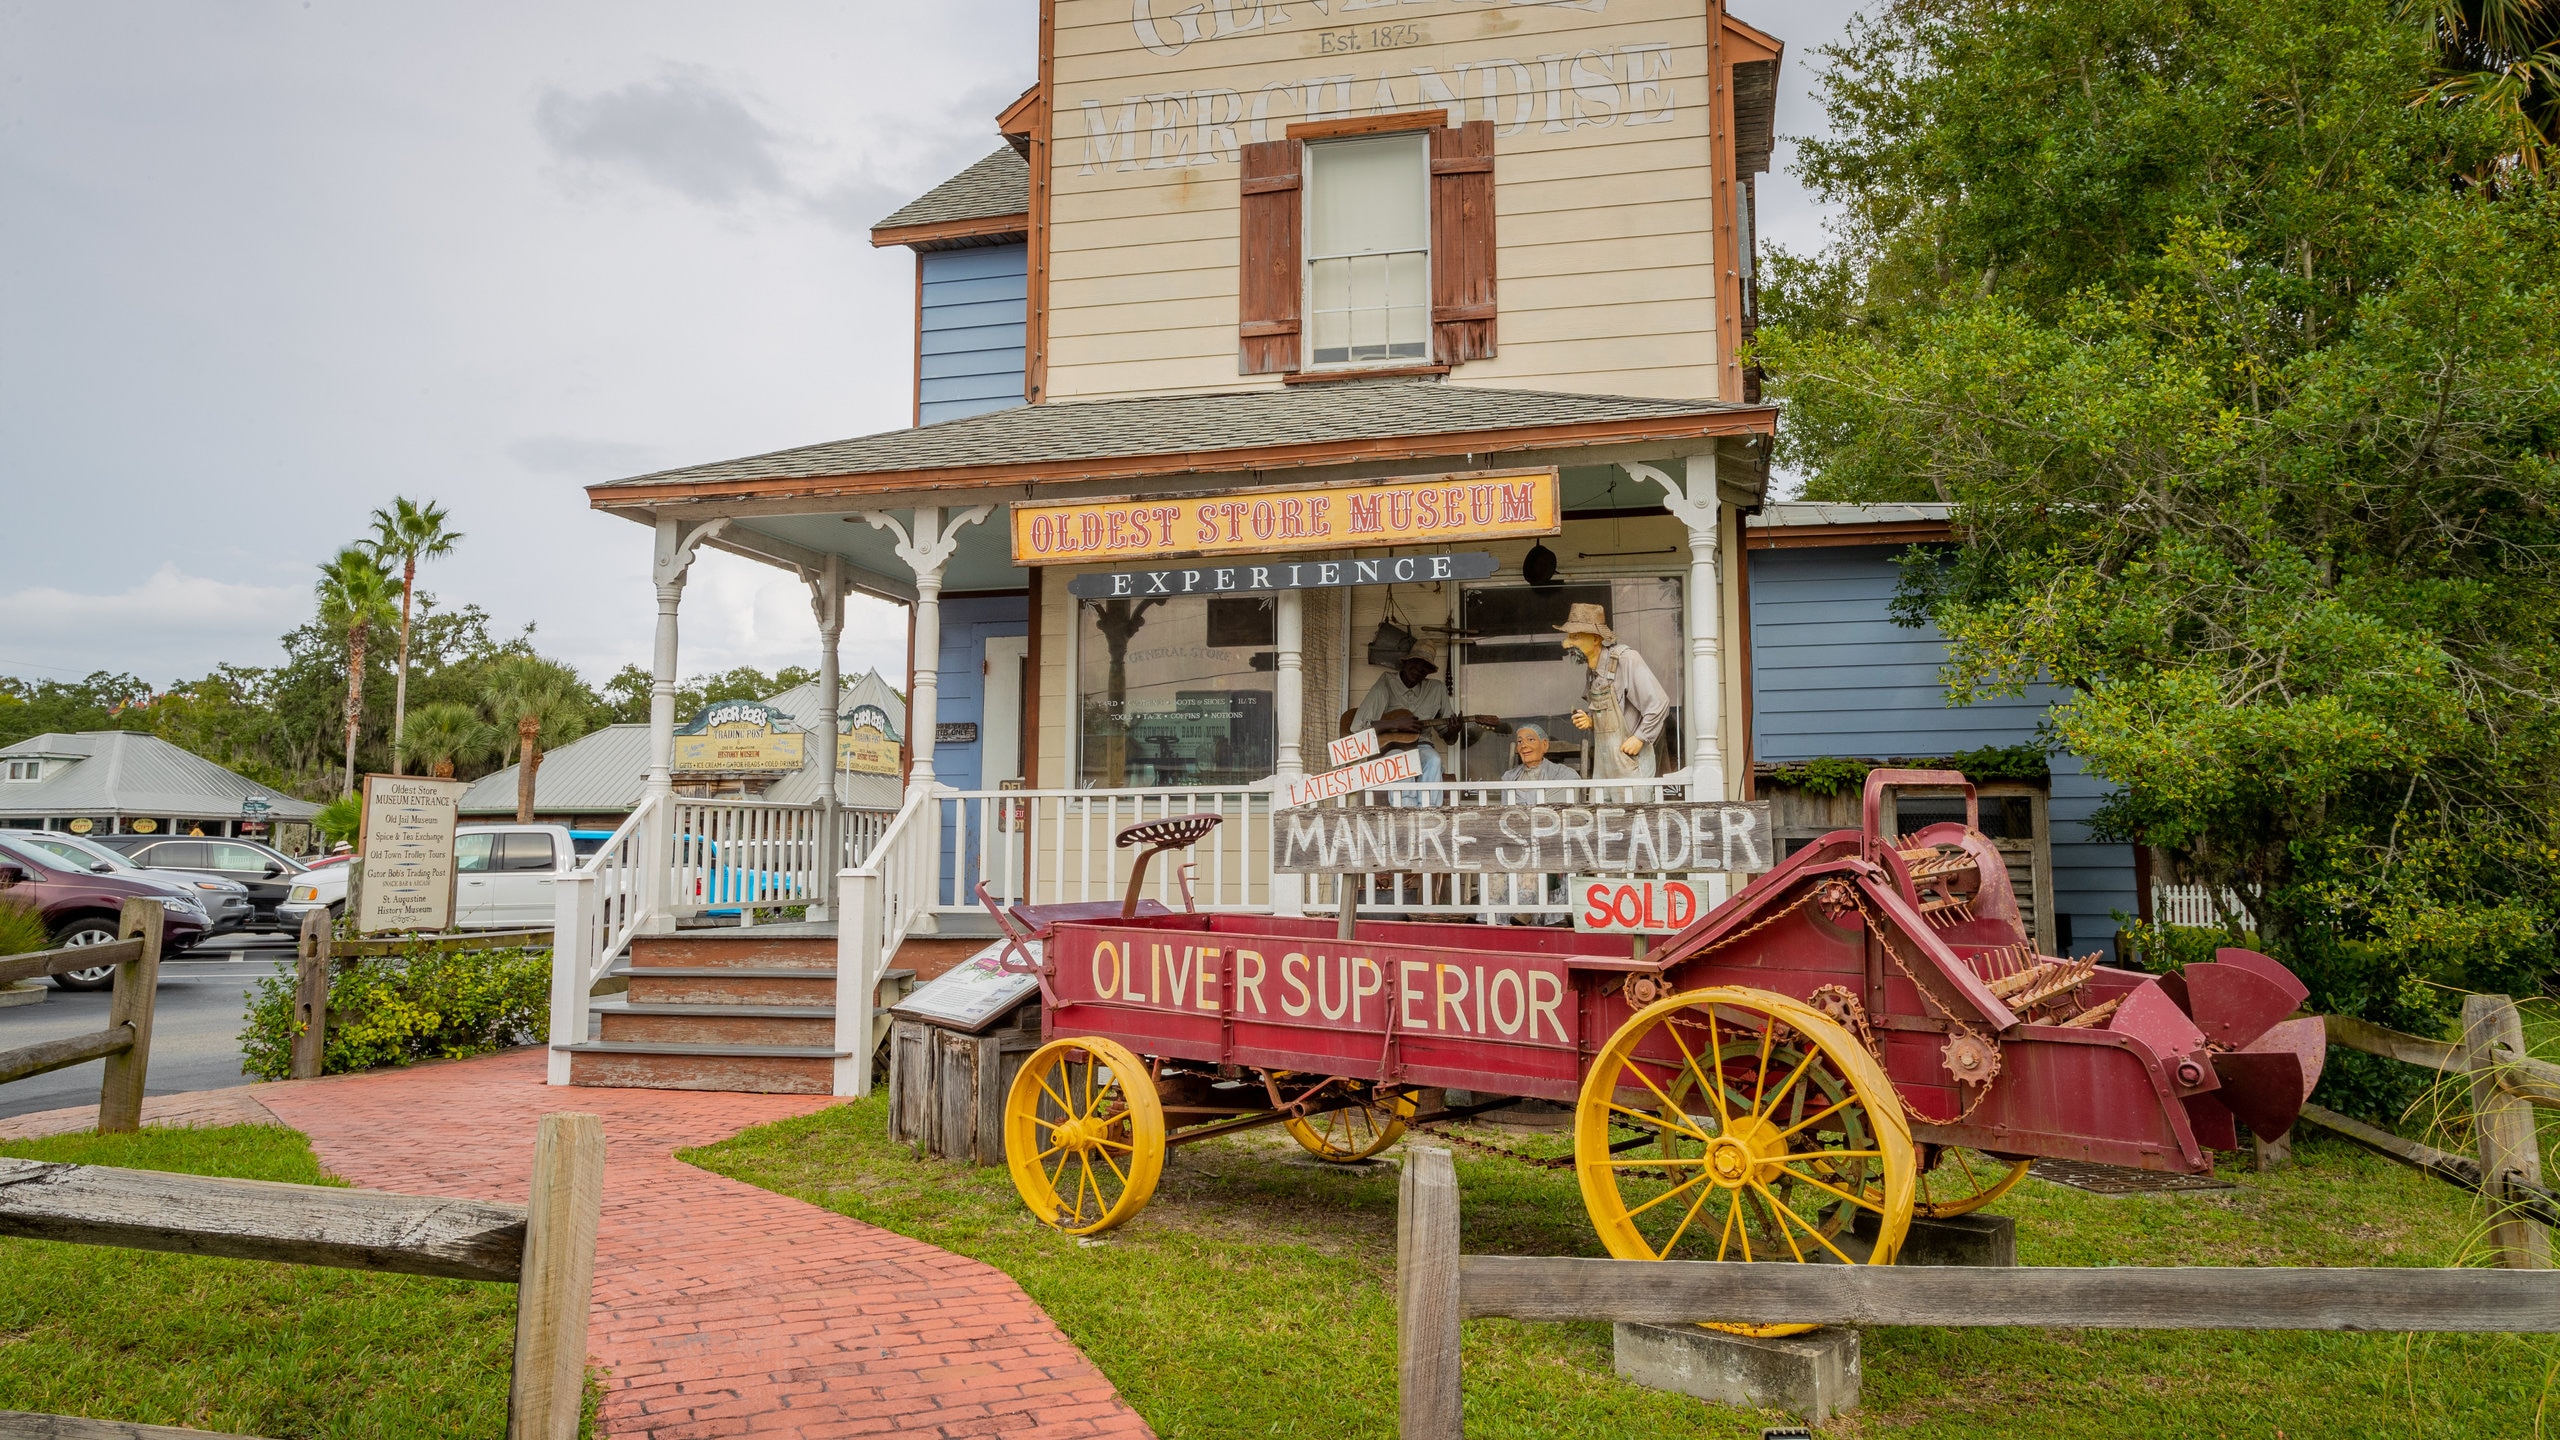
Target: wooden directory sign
x=407, y=848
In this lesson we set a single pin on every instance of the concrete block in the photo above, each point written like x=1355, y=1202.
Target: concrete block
x=23, y=992
x=1814, y=1375
x=1955, y=1240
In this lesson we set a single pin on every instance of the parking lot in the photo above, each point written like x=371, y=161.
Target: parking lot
x=195, y=1041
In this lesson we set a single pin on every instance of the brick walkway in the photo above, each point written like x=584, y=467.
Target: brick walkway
x=722, y=1309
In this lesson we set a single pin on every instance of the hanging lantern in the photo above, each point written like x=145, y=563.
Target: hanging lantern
x=1540, y=566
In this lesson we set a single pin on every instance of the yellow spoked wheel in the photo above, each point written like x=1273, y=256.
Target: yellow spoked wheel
x=1957, y=1181
x=1734, y=1124
x=1354, y=1132
x=1084, y=1134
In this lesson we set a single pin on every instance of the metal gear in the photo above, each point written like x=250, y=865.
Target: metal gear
x=1837, y=1001
x=1643, y=990
x=1970, y=1059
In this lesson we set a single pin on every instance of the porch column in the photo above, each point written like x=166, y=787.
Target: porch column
x=826, y=603
x=676, y=547
x=1288, y=717
x=1695, y=501
x=925, y=542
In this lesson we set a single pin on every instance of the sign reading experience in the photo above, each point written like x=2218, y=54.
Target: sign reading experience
x=1418, y=510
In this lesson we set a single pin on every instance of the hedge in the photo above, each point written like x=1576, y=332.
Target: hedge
x=402, y=1009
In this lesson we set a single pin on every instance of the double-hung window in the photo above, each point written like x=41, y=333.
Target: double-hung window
x=1367, y=244
x=1368, y=287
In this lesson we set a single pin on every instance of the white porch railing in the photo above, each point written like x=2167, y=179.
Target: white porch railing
x=1055, y=846
x=597, y=908
x=751, y=855
x=2196, y=906
x=878, y=902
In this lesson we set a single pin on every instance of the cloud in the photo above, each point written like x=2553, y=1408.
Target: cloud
x=680, y=131
x=171, y=626
x=588, y=460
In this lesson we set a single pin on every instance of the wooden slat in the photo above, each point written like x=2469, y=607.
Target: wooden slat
x=1429, y=1387
x=2373, y=1039
x=1462, y=243
x=69, y=1050
x=1268, y=251
x=2181, y=1298
x=24, y=1425
x=2510, y=1151
x=76, y=957
x=442, y=944
x=261, y=1220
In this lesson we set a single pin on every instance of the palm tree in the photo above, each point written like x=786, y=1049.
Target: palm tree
x=408, y=532
x=543, y=701
x=355, y=595
x=446, y=734
x=2504, y=54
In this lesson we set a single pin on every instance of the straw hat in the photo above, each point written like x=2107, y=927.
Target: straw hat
x=1589, y=620
x=1399, y=723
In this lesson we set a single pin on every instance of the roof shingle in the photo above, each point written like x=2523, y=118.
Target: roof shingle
x=995, y=188
x=1202, y=425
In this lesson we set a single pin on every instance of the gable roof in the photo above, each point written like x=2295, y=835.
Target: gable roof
x=125, y=772
x=986, y=204
x=1222, y=430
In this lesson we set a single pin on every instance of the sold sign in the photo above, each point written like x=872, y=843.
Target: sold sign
x=1614, y=906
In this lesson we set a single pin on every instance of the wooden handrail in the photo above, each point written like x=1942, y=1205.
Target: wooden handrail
x=68, y=958
x=126, y=1042
x=49, y=1055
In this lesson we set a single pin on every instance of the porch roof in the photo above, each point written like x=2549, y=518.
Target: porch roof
x=1171, y=434
x=988, y=203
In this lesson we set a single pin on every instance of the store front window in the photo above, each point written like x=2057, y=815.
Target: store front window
x=1513, y=664
x=1175, y=691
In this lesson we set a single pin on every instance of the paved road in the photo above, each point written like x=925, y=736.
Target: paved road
x=195, y=1043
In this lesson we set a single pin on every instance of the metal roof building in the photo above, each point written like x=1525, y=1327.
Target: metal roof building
x=120, y=781
x=595, y=780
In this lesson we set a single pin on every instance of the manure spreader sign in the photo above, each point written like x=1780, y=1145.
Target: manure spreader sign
x=408, y=853
x=1730, y=836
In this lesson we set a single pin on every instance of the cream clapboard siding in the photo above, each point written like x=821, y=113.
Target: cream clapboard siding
x=1605, y=254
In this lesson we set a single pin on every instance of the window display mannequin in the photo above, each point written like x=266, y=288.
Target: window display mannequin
x=1413, y=687
x=1623, y=704
x=1530, y=743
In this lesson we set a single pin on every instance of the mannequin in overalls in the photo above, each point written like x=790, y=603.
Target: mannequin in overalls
x=1623, y=706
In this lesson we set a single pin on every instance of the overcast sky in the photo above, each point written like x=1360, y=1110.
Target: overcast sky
x=265, y=264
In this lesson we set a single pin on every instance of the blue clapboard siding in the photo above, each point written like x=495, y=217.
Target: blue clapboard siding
x=971, y=360
x=1832, y=674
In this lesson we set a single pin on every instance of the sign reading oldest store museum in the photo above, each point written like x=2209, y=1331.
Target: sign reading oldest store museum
x=1369, y=514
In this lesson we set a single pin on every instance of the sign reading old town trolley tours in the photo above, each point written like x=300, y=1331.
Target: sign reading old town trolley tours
x=739, y=736
x=409, y=825
x=1600, y=839
x=1418, y=510
x=1286, y=575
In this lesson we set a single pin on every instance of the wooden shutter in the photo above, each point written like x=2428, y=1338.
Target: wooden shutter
x=1462, y=302
x=1268, y=288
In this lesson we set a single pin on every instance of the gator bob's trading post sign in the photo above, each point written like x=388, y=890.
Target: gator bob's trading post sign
x=1416, y=510
x=869, y=745
x=740, y=736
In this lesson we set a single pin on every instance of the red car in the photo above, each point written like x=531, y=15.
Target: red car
x=81, y=907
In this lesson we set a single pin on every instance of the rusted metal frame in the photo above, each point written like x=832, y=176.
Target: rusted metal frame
x=1258, y=1120
x=1998, y=1136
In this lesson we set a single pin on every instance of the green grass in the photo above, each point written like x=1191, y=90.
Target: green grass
x=1252, y=1299
x=285, y=1351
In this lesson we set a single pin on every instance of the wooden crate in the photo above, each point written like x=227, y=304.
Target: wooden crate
x=947, y=1089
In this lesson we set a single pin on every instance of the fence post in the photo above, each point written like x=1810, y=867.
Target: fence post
x=858, y=969
x=120, y=1093
x=1430, y=1400
x=2509, y=1148
x=311, y=994
x=558, y=1284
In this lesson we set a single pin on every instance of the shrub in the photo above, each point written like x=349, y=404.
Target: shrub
x=337, y=820
x=401, y=1009
x=21, y=929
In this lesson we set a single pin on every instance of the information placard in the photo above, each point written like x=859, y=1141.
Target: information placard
x=407, y=847
x=973, y=994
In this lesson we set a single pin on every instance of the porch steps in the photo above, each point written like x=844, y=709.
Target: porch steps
x=748, y=1008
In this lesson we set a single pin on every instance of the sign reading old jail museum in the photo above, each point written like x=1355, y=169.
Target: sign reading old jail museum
x=1731, y=836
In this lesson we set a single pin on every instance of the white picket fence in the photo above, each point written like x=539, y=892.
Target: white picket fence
x=2196, y=906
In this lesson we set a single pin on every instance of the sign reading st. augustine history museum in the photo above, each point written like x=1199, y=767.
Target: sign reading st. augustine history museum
x=1729, y=836
x=409, y=825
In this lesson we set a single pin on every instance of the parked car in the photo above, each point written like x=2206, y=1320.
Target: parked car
x=227, y=901
x=80, y=906
x=505, y=878
x=267, y=873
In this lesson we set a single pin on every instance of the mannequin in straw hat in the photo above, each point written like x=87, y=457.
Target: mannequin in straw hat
x=1623, y=704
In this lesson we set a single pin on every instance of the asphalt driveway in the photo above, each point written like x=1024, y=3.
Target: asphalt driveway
x=195, y=1040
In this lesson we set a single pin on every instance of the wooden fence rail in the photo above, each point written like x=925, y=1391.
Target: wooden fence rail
x=126, y=1042
x=547, y=1250
x=1437, y=1287
x=2505, y=1085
